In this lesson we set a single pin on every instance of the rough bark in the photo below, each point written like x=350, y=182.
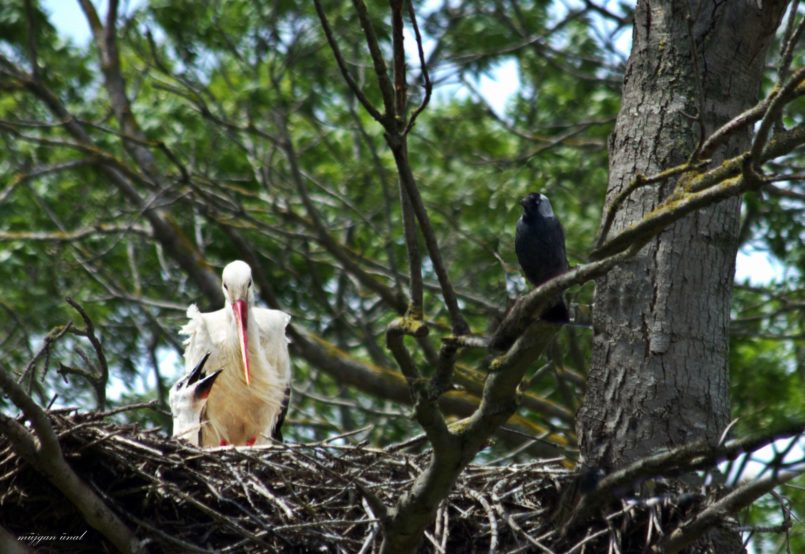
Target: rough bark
x=659, y=375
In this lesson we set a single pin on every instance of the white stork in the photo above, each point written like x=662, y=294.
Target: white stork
x=247, y=405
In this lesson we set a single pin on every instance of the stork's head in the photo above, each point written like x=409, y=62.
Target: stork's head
x=536, y=204
x=239, y=294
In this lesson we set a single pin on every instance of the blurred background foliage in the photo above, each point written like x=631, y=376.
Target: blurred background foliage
x=232, y=96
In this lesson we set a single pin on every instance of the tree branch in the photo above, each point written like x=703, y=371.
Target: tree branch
x=696, y=191
x=416, y=309
x=391, y=118
x=459, y=325
x=423, y=67
x=784, y=94
x=425, y=400
x=339, y=58
x=397, y=38
x=100, y=379
x=741, y=121
x=523, y=312
x=693, y=180
x=394, y=127
x=611, y=210
x=416, y=287
x=740, y=498
x=683, y=459
x=455, y=448
x=392, y=385
x=790, y=39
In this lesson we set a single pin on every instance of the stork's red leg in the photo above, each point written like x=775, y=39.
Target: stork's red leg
x=251, y=441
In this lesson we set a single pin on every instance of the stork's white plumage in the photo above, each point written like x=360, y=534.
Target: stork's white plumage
x=248, y=401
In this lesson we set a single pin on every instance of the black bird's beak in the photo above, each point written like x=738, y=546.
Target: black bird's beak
x=531, y=201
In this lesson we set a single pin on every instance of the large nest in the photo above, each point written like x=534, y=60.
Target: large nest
x=296, y=498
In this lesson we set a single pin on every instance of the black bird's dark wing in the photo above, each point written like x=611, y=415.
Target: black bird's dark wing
x=276, y=434
x=540, y=248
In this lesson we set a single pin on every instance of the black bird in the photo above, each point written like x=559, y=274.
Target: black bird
x=540, y=246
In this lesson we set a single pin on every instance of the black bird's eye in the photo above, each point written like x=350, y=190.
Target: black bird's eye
x=225, y=287
x=250, y=283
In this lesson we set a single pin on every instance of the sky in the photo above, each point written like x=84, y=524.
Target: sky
x=67, y=17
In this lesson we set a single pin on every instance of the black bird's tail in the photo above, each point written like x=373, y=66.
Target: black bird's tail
x=558, y=313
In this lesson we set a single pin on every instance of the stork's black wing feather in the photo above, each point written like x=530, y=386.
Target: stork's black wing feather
x=276, y=434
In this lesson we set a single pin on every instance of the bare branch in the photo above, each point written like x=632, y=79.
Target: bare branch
x=611, y=210
x=523, y=312
x=685, y=458
x=416, y=308
x=741, y=121
x=423, y=67
x=738, y=499
x=339, y=58
x=391, y=118
x=416, y=287
x=396, y=141
x=767, y=111
x=425, y=400
x=392, y=385
x=786, y=92
x=453, y=449
x=76, y=234
x=790, y=39
x=695, y=191
x=397, y=38
x=459, y=325
x=102, y=377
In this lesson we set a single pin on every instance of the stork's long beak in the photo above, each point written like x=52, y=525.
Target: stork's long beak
x=242, y=322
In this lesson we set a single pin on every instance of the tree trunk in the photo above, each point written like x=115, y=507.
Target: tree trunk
x=659, y=374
